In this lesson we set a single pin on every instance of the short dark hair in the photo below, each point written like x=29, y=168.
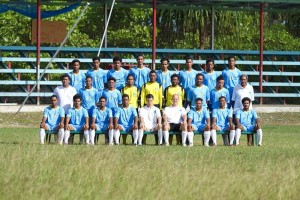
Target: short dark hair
x=140, y=55
x=175, y=75
x=231, y=57
x=222, y=97
x=199, y=74
x=149, y=96
x=220, y=78
x=77, y=96
x=96, y=58
x=199, y=99
x=75, y=61
x=53, y=96
x=246, y=99
x=111, y=79
x=130, y=75
x=102, y=97
x=64, y=76
x=210, y=60
x=125, y=95
x=165, y=59
x=88, y=77
x=152, y=72
x=188, y=58
x=117, y=59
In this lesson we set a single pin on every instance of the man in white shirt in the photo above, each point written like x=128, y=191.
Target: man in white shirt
x=65, y=93
x=150, y=120
x=174, y=120
x=242, y=90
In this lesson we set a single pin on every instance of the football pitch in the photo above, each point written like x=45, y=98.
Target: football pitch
x=29, y=170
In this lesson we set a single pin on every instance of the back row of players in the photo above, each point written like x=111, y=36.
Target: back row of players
x=141, y=82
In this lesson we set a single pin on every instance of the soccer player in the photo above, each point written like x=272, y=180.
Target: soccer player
x=199, y=90
x=77, y=78
x=102, y=120
x=140, y=72
x=222, y=121
x=175, y=88
x=154, y=88
x=198, y=120
x=99, y=76
x=244, y=89
x=119, y=73
x=125, y=119
x=210, y=75
x=174, y=120
x=217, y=92
x=231, y=76
x=112, y=95
x=53, y=120
x=188, y=75
x=247, y=120
x=77, y=120
x=150, y=120
x=65, y=93
x=164, y=75
x=132, y=91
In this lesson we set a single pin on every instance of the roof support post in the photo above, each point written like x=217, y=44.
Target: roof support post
x=261, y=50
x=153, y=34
x=38, y=48
x=212, y=38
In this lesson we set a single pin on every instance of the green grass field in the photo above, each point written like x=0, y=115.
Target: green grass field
x=33, y=171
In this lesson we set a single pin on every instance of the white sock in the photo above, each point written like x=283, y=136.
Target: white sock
x=140, y=138
x=190, y=136
x=92, y=136
x=110, y=136
x=160, y=136
x=117, y=136
x=66, y=136
x=183, y=137
x=87, y=136
x=61, y=133
x=231, y=137
x=206, y=137
x=213, y=135
x=42, y=135
x=166, y=136
x=259, y=136
x=135, y=135
x=237, y=136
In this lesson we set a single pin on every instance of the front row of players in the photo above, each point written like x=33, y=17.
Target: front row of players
x=175, y=118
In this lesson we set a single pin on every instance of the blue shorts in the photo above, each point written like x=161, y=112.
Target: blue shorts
x=198, y=128
x=77, y=127
x=126, y=128
x=223, y=128
x=52, y=127
x=102, y=127
x=249, y=128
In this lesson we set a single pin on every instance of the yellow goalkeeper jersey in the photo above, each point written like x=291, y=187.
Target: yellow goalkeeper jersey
x=133, y=94
x=170, y=91
x=156, y=90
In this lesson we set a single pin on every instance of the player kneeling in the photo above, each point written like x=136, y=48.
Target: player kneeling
x=53, y=120
x=199, y=120
x=247, y=120
x=222, y=121
x=126, y=120
x=102, y=120
x=77, y=120
x=150, y=120
x=174, y=120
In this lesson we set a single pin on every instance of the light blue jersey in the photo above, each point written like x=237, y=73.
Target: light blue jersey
x=120, y=77
x=198, y=92
x=198, y=117
x=216, y=94
x=141, y=76
x=77, y=116
x=187, y=78
x=222, y=116
x=90, y=98
x=113, y=98
x=210, y=79
x=126, y=116
x=164, y=78
x=231, y=78
x=98, y=77
x=77, y=81
x=102, y=116
x=246, y=118
x=53, y=115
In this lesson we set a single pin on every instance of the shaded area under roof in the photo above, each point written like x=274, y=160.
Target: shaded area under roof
x=233, y=5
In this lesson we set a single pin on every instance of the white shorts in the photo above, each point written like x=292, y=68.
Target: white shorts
x=150, y=127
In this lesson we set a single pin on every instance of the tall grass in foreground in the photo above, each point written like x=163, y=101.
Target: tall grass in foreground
x=32, y=171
